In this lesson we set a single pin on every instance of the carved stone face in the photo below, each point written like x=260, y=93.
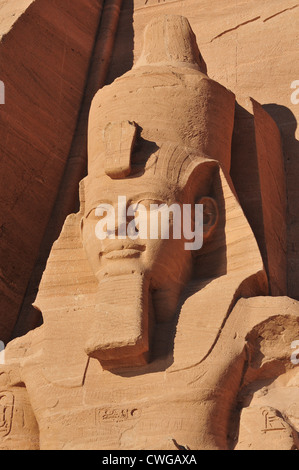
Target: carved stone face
x=148, y=133
x=141, y=272
x=142, y=258
x=140, y=279
x=165, y=262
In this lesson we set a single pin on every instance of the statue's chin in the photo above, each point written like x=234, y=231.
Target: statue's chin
x=116, y=356
x=120, y=333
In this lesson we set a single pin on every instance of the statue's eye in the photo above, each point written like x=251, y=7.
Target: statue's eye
x=91, y=215
x=150, y=204
x=102, y=210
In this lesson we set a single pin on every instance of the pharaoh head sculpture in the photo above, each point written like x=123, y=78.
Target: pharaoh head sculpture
x=158, y=137
x=154, y=135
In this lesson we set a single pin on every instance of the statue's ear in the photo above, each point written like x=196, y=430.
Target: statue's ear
x=81, y=228
x=210, y=216
x=196, y=177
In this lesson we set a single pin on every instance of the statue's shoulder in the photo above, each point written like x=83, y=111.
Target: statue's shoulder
x=269, y=326
x=268, y=390
x=18, y=354
x=278, y=314
x=264, y=307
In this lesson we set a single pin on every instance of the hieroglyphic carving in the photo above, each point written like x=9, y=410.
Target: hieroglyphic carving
x=155, y=1
x=117, y=414
x=273, y=422
x=6, y=412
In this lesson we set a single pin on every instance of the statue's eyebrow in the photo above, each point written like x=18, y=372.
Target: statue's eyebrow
x=95, y=206
x=143, y=196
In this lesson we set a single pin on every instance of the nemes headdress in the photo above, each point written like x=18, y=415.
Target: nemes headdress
x=166, y=98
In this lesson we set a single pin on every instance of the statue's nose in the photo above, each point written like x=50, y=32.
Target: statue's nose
x=125, y=228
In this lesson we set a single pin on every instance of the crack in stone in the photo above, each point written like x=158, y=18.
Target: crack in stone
x=279, y=13
x=236, y=27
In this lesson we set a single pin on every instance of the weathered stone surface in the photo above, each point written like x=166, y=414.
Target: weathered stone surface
x=250, y=48
x=268, y=395
x=258, y=173
x=146, y=345
x=67, y=199
x=45, y=52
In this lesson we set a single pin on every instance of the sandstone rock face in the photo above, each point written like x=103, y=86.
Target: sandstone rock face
x=45, y=51
x=250, y=48
x=146, y=341
x=67, y=199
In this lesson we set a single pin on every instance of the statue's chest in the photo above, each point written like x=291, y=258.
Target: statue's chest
x=155, y=416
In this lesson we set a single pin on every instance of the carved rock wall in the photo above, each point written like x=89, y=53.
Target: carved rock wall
x=217, y=355
x=45, y=50
x=247, y=50
x=250, y=48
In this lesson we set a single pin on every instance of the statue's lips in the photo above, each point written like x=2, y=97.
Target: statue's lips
x=122, y=249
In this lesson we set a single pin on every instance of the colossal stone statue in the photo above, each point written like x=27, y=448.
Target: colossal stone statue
x=146, y=344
